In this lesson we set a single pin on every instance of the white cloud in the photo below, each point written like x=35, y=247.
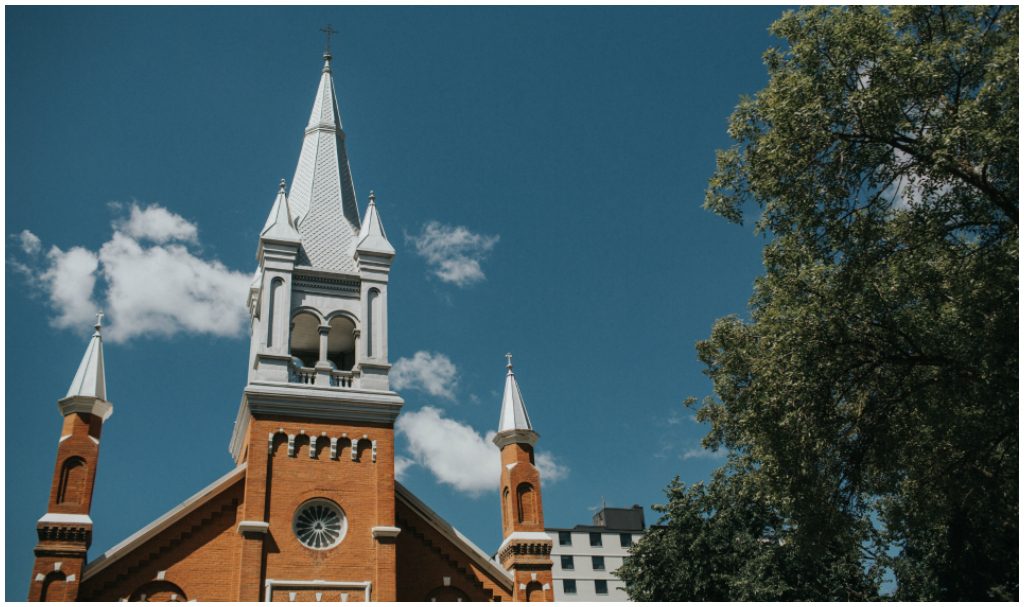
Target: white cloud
x=550, y=470
x=69, y=281
x=453, y=252
x=433, y=373
x=30, y=243
x=402, y=464
x=458, y=456
x=160, y=289
x=164, y=290
x=157, y=224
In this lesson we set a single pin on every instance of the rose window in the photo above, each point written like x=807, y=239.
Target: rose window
x=320, y=524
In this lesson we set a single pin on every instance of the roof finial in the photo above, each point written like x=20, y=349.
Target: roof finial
x=372, y=197
x=99, y=322
x=283, y=184
x=327, y=45
x=509, y=364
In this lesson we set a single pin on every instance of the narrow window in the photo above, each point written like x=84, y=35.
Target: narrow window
x=72, y=482
x=625, y=540
x=595, y=539
x=567, y=563
x=372, y=311
x=597, y=562
x=527, y=499
x=564, y=538
x=275, y=289
x=569, y=586
x=601, y=586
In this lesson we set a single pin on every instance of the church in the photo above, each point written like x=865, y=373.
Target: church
x=311, y=511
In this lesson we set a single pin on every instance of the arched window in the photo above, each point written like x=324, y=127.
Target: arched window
x=55, y=587
x=305, y=340
x=276, y=293
x=158, y=591
x=72, y=481
x=341, y=343
x=507, y=502
x=534, y=592
x=527, y=502
x=372, y=321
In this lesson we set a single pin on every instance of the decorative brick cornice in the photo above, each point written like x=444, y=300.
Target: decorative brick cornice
x=65, y=533
x=541, y=549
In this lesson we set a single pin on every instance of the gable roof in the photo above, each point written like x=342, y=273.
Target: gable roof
x=478, y=556
x=153, y=529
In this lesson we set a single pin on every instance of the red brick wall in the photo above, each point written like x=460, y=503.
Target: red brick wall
x=199, y=554
x=425, y=558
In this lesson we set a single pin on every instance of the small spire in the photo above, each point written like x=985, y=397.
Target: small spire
x=90, y=380
x=513, y=410
x=282, y=187
x=372, y=238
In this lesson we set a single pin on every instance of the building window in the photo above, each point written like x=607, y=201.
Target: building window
x=595, y=539
x=564, y=538
x=597, y=562
x=319, y=524
x=569, y=586
x=625, y=540
x=601, y=586
x=567, y=563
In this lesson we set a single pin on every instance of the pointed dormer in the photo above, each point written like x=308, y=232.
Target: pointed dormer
x=323, y=196
x=88, y=390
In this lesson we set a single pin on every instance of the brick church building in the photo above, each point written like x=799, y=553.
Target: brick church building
x=311, y=511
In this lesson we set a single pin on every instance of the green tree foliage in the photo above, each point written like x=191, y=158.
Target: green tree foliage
x=869, y=405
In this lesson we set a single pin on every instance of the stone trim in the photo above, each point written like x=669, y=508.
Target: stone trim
x=385, y=532
x=262, y=527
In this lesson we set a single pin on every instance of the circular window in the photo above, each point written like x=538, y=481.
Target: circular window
x=320, y=524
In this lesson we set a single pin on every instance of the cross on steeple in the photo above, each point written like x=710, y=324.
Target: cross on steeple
x=99, y=320
x=508, y=357
x=328, y=31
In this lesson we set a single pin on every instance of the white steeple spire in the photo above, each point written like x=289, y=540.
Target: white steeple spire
x=372, y=238
x=513, y=410
x=88, y=391
x=322, y=195
x=90, y=380
x=280, y=225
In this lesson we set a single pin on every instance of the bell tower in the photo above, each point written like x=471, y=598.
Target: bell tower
x=65, y=531
x=315, y=428
x=526, y=548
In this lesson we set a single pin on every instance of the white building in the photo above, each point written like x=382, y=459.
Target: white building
x=586, y=556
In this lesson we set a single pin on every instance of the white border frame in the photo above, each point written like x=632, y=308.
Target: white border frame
x=269, y=584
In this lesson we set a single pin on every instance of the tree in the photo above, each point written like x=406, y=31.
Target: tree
x=870, y=402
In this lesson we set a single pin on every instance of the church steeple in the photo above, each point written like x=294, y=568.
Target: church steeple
x=526, y=548
x=65, y=531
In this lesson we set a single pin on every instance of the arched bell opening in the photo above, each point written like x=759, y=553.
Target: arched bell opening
x=305, y=339
x=341, y=343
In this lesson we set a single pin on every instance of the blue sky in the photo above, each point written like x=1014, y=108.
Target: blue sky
x=539, y=170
